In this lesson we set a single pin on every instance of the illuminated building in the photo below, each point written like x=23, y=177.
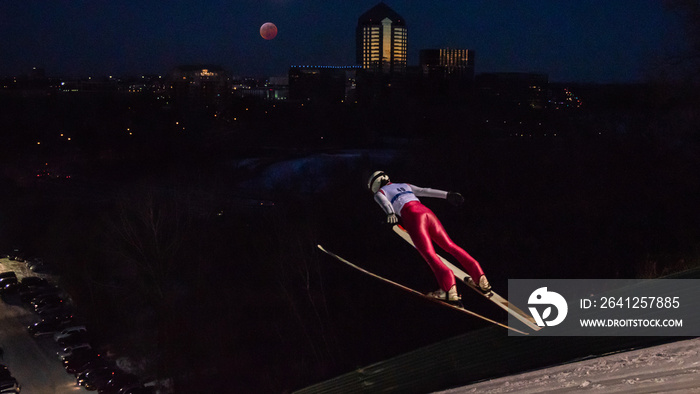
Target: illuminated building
x=447, y=74
x=447, y=62
x=381, y=40
x=200, y=83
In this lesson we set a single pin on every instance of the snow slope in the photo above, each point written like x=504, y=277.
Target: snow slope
x=668, y=368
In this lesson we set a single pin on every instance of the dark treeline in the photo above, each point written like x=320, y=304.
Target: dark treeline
x=220, y=287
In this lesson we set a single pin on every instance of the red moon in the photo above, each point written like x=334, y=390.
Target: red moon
x=268, y=30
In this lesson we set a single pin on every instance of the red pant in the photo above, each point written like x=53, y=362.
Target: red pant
x=424, y=228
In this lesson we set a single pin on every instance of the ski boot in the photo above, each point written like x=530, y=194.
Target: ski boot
x=451, y=296
x=484, y=286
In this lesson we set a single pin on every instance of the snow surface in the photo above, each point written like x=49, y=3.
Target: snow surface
x=668, y=368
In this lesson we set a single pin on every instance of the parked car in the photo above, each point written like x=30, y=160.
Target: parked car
x=90, y=376
x=101, y=381
x=118, y=382
x=34, y=281
x=80, y=363
x=73, y=339
x=47, y=306
x=44, y=299
x=16, y=254
x=68, y=350
x=82, y=352
x=69, y=331
x=41, y=327
x=54, y=310
x=40, y=295
x=40, y=266
x=8, y=279
x=49, y=325
x=77, y=366
x=28, y=294
x=137, y=390
x=10, y=287
x=10, y=385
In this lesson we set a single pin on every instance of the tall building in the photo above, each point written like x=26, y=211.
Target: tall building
x=447, y=63
x=381, y=40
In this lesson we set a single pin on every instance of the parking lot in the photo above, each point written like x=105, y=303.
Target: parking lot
x=32, y=361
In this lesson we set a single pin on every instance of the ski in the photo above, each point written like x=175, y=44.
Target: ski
x=418, y=293
x=492, y=295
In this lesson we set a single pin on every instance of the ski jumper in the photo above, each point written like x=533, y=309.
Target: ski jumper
x=425, y=228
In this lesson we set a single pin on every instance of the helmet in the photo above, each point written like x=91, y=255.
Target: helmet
x=377, y=180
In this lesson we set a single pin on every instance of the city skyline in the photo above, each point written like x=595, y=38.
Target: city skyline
x=590, y=42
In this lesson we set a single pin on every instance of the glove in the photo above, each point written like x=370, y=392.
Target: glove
x=455, y=198
x=392, y=218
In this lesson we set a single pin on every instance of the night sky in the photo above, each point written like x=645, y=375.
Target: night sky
x=573, y=41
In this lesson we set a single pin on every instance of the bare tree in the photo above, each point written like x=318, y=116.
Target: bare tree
x=148, y=234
